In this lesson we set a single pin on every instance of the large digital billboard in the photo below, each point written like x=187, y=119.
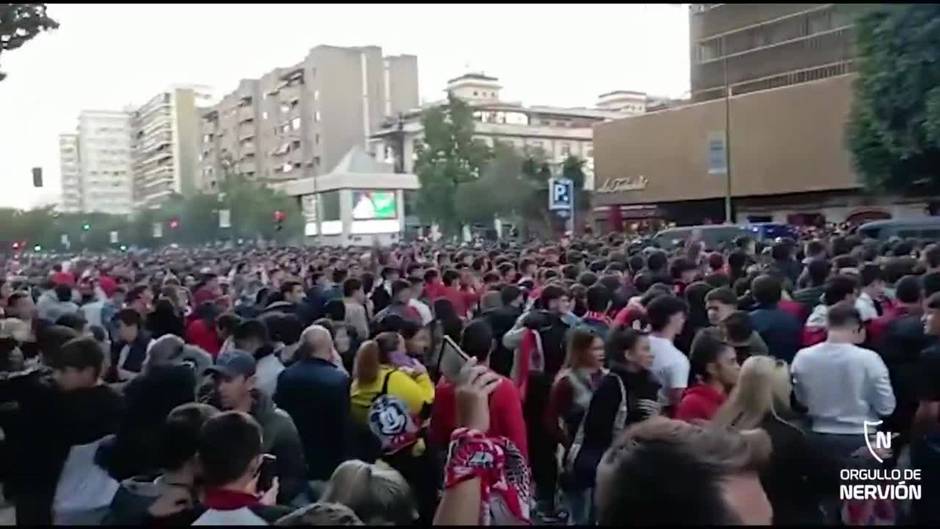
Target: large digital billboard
x=369, y=205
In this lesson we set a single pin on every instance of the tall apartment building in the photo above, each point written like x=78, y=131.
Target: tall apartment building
x=165, y=143
x=96, y=164
x=71, y=174
x=558, y=132
x=754, y=47
x=301, y=120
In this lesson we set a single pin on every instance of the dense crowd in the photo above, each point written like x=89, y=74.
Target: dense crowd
x=601, y=381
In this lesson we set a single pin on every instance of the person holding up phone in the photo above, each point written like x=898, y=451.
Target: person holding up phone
x=505, y=403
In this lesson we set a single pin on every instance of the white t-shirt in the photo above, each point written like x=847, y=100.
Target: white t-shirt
x=670, y=367
x=266, y=374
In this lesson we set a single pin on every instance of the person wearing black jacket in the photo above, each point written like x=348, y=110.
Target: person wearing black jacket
x=900, y=348
x=797, y=477
x=626, y=395
x=315, y=393
x=59, y=408
x=168, y=380
x=501, y=320
x=129, y=351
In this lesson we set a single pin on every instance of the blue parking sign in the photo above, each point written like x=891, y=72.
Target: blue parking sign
x=561, y=194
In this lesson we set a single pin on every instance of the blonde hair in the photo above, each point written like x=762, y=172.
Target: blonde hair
x=763, y=388
x=378, y=494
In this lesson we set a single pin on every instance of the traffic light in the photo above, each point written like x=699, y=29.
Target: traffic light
x=86, y=226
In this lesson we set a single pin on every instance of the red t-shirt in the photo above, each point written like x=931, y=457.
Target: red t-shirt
x=505, y=415
x=64, y=278
x=198, y=334
x=699, y=403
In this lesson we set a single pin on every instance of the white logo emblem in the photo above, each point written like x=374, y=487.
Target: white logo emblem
x=882, y=439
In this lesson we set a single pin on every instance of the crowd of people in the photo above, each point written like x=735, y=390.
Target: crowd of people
x=603, y=381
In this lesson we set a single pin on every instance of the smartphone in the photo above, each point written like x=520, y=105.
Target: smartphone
x=266, y=472
x=452, y=359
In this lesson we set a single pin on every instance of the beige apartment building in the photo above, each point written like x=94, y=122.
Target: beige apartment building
x=300, y=121
x=165, y=145
x=556, y=131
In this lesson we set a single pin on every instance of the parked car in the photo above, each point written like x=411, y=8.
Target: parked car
x=919, y=228
x=714, y=235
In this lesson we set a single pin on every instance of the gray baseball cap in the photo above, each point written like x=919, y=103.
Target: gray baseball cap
x=234, y=363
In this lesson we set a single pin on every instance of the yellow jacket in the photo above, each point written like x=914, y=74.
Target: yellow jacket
x=415, y=392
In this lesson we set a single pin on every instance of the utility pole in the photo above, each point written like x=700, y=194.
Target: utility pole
x=728, y=218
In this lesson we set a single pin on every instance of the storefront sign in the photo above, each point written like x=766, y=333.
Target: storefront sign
x=619, y=185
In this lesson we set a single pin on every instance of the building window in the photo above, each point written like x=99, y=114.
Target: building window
x=565, y=149
x=285, y=108
x=295, y=123
x=316, y=116
x=316, y=139
x=316, y=95
x=264, y=115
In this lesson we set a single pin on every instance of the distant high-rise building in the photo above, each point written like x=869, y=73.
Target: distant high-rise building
x=301, y=120
x=71, y=174
x=165, y=144
x=754, y=47
x=96, y=164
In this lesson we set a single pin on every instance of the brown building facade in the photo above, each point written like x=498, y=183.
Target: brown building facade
x=787, y=152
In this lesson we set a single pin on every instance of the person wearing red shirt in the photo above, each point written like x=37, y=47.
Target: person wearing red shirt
x=62, y=278
x=505, y=402
x=714, y=364
x=451, y=291
x=201, y=330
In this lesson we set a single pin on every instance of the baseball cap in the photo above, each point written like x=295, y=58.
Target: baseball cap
x=234, y=363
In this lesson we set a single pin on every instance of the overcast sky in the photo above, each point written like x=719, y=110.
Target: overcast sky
x=108, y=56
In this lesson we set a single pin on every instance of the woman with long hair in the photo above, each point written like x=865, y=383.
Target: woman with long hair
x=796, y=476
x=568, y=402
x=393, y=403
x=446, y=323
x=627, y=394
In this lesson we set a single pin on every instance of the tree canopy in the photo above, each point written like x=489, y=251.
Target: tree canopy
x=196, y=217
x=465, y=181
x=21, y=22
x=894, y=128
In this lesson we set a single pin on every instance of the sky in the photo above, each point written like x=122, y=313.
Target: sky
x=104, y=57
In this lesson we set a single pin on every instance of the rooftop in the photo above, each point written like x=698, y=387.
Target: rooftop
x=472, y=76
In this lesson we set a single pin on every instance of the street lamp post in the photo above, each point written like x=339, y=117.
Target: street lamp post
x=728, y=218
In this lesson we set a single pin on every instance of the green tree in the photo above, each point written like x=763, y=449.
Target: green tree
x=448, y=158
x=894, y=128
x=497, y=192
x=21, y=22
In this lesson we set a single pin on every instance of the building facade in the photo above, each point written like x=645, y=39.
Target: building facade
x=789, y=70
x=754, y=47
x=165, y=144
x=71, y=174
x=301, y=120
x=557, y=132
x=95, y=164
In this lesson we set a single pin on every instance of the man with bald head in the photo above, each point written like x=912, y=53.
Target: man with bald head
x=315, y=393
